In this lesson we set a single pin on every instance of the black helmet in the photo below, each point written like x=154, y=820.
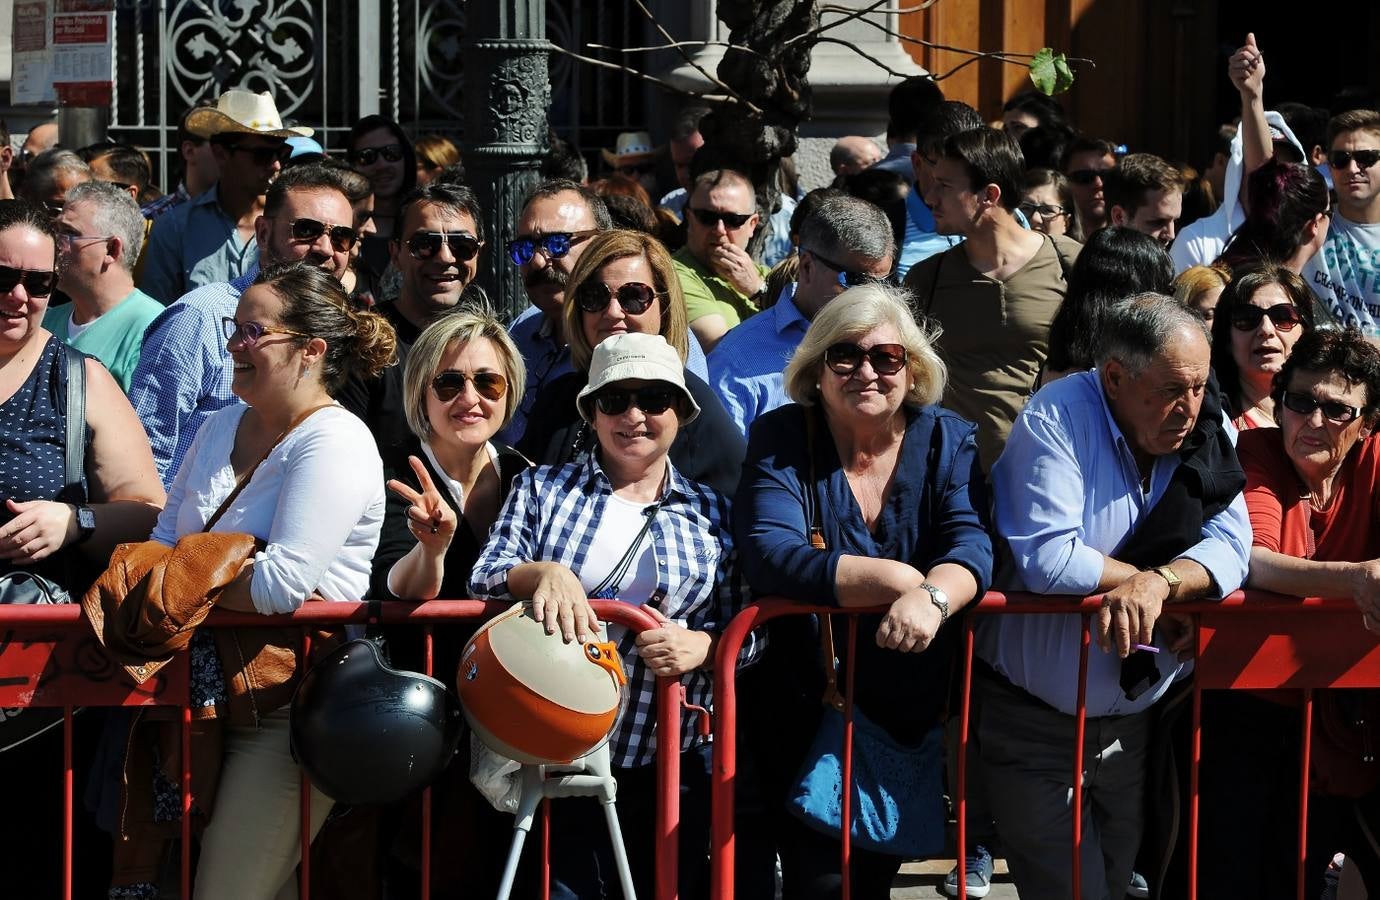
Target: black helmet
x=368, y=733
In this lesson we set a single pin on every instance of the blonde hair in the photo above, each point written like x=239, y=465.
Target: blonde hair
x=461, y=326
x=1193, y=282
x=617, y=244
x=850, y=316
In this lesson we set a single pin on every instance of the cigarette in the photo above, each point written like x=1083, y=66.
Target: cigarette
x=1145, y=647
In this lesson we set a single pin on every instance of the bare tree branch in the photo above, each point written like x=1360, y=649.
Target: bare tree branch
x=853, y=13
x=710, y=98
x=864, y=54
x=713, y=79
x=677, y=44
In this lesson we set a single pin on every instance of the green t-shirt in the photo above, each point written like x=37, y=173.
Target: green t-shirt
x=114, y=338
x=708, y=294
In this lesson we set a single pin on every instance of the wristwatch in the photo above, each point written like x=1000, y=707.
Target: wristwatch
x=939, y=599
x=86, y=522
x=1168, y=575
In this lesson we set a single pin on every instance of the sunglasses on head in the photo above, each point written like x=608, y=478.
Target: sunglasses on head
x=36, y=283
x=263, y=155
x=343, y=237
x=449, y=385
x=651, y=400
x=555, y=245
x=846, y=357
x=426, y=244
x=732, y=221
x=1340, y=159
x=1086, y=176
x=634, y=297
x=1284, y=316
x=1332, y=410
x=248, y=333
x=367, y=156
x=846, y=277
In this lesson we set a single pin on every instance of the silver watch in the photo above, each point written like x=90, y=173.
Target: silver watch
x=939, y=599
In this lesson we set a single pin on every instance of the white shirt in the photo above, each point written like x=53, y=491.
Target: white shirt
x=620, y=523
x=316, y=501
x=1345, y=273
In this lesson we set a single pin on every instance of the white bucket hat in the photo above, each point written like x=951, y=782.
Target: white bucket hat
x=242, y=112
x=635, y=357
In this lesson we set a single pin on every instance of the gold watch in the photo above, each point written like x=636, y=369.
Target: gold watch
x=1168, y=575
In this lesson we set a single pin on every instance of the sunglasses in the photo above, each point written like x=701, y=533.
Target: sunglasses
x=846, y=358
x=634, y=297
x=449, y=385
x=248, y=333
x=555, y=245
x=1340, y=159
x=369, y=155
x=1332, y=410
x=426, y=244
x=36, y=283
x=651, y=400
x=732, y=221
x=1284, y=316
x=1086, y=176
x=263, y=155
x=846, y=277
x=343, y=237
x=1043, y=210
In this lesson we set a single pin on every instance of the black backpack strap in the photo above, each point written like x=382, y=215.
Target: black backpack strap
x=75, y=446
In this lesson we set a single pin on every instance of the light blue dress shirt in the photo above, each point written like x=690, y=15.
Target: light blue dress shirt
x=192, y=245
x=747, y=367
x=547, y=359
x=1067, y=493
x=921, y=241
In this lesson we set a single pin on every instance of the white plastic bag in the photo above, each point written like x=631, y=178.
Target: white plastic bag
x=498, y=778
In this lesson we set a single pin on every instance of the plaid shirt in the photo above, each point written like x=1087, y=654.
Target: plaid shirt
x=166, y=203
x=551, y=515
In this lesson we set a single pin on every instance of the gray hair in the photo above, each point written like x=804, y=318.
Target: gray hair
x=846, y=225
x=42, y=174
x=1137, y=329
x=115, y=213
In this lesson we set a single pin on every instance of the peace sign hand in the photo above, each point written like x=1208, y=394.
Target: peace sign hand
x=430, y=517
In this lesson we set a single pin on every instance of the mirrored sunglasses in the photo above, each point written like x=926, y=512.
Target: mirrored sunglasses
x=555, y=245
x=634, y=297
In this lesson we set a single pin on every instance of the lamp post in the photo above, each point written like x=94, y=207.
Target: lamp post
x=507, y=94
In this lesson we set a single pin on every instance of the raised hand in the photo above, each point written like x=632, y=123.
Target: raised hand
x=1246, y=68
x=429, y=518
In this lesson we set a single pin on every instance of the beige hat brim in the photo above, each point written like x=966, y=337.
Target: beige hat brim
x=627, y=159
x=209, y=122
x=632, y=371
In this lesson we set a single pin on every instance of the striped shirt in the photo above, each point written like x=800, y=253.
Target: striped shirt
x=551, y=515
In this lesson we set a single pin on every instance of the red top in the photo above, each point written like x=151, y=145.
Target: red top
x=1284, y=521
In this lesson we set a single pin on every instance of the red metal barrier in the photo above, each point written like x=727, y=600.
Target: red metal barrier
x=1242, y=643
x=50, y=658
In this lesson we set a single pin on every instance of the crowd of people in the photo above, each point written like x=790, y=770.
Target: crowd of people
x=1014, y=356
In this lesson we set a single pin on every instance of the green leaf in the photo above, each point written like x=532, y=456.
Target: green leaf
x=1050, y=72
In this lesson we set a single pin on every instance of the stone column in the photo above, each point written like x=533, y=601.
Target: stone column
x=506, y=98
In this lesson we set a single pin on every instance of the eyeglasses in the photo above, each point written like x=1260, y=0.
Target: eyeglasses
x=449, y=385
x=37, y=283
x=1086, y=176
x=732, y=221
x=343, y=237
x=846, y=358
x=1340, y=159
x=847, y=277
x=68, y=242
x=634, y=297
x=248, y=333
x=367, y=156
x=54, y=207
x=1043, y=210
x=1332, y=410
x=263, y=156
x=651, y=400
x=1284, y=316
x=426, y=244
x=553, y=246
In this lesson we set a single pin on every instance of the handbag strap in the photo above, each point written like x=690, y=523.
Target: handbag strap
x=831, y=695
x=74, y=452
x=245, y=478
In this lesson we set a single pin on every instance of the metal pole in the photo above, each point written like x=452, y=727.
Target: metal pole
x=81, y=126
x=507, y=96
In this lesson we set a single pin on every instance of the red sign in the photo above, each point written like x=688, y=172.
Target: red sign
x=30, y=26
x=75, y=28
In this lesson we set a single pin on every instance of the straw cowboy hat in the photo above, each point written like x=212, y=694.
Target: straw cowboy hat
x=242, y=112
x=632, y=148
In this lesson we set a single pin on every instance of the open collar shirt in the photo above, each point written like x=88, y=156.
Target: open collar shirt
x=552, y=514
x=747, y=368
x=1067, y=493
x=195, y=244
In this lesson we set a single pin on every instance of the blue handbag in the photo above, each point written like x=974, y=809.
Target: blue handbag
x=898, y=790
